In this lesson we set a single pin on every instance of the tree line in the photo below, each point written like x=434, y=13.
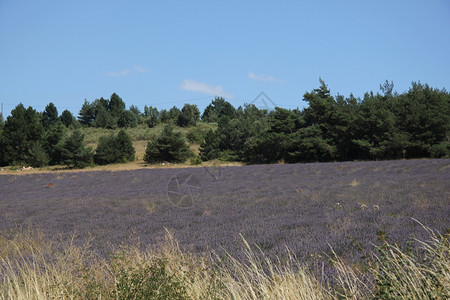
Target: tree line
x=380, y=126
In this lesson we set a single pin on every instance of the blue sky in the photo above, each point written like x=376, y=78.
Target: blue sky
x=166, y=53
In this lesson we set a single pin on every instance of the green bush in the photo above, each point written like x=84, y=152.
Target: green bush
x=168, y=146
x=209, y=148
x=195, y=136
x=74, y=153
x=147, y=282
x=195, y=160
x=38, y=156
x=127, y=119
x=440, y=150
x=114, y=149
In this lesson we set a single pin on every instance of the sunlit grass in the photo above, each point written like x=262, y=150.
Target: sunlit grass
x=33, y=267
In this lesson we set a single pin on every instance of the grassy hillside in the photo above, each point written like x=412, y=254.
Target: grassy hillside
x=142, y=134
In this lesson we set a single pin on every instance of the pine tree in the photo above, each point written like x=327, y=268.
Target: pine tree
x=74, y=153
x=168, y=146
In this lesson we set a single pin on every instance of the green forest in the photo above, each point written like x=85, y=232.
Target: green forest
x=380, y=126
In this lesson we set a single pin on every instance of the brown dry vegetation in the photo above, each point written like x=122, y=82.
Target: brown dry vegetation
x=32, y=267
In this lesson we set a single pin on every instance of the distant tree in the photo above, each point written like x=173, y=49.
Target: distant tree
x=387, y=88
x=127, y=119
x=169, y=116
x=174, y=112
x=189, y=116
x=151, y=116
x=345, y=127
x=137, y=113
x=233, y=133
x=168, y=146
x=2, y=121
x=378, y=137
x=135, y=110
x=164, y=116
x=103, y=119
x=114, y=149
x=209, y=148
x=308, y=145
x=272, y=145
x=321, y=107
x=218, y=108
x=196, y=135
x=50, y=115
x=116, y=106
x=67, y=118
x=125, y=145
x=37, y=156
x=102, y=102
x=22, y=130
x=87, y=113
x=52, y=139
x=423, y=115
x=74, y=153
x=441, y=150
x=106, y=151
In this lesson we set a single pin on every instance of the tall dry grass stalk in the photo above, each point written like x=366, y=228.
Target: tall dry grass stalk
x=424, y=274
x=32, y=267
x=261, y=278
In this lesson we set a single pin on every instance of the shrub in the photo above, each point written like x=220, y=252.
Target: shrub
x=209, y=148
x=148, y=281
x=114, y=149
x=127, y=119
x=189, y=116
x=196, y=160
x=195, y=136
x=168, y=146
x=38, y=156
x=74, y=153
x=440, y=150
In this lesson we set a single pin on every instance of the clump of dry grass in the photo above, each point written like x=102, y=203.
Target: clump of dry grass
x=33, y=267
x=408, y=274
x=261, y=278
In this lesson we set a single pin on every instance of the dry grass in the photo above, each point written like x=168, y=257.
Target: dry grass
x=354, y=183
x=135, y=165
x=32, y=267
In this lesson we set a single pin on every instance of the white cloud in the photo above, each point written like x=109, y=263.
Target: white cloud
x=261, y=77
x=192, y=85
x=126, y=72
x=118, y=74
x=141, y=69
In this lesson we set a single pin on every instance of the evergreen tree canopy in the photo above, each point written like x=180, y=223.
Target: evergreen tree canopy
x=52, y=140
x=50, y=115
x=114, y=149
x=116, y=106
x=127, y=119
x=22, y=130
x=152, y=116
x=74, y=153
x=188, y=116
x=209, y=148
x=169, y=146
x=67, y=118
x=87, y=113
x=218, y=108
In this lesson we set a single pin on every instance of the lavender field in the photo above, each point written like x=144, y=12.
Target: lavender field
x=307, y=207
